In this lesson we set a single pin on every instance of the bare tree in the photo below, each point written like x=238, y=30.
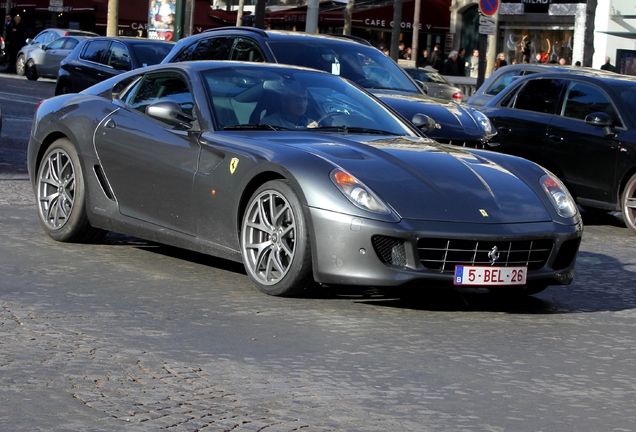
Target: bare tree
x=113, y=18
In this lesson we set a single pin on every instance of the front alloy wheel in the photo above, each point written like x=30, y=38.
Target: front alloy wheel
x=61, y=195
x=275, y=241
x=628, y=203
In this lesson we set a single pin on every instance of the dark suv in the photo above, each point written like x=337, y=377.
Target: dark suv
x=96, y=59
x=352, y=58
x=582, y=127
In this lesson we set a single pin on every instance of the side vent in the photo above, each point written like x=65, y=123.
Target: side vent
x=101, y=178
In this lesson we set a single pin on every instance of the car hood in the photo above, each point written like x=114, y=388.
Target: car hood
x=424, y=180
x=455, y=121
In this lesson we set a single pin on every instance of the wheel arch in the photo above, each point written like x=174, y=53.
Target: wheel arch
x=622, y=184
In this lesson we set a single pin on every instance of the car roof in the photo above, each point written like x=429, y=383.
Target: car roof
x=277, y=35
x=585, y=75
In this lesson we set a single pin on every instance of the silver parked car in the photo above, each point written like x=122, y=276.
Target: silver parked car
x=43, y=38
x=436, y=84
x=45, y=61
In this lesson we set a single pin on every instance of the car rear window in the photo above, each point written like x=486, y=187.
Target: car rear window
x=151, y=53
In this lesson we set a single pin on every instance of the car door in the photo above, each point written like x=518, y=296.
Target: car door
x=54, y=53
x=584, y=153
x=150, y=165
x=89, y=68
x=523, y=116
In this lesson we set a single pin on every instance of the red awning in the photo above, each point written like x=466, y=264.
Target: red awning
x=434, y=17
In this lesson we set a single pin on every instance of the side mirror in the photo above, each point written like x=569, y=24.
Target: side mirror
x=599, y=119
x=424, y=122
x=603, y=120
x=121, y=65
x=171, y=113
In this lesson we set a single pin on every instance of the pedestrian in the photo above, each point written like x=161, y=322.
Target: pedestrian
x=406, y=53
x=473, y=64
x=423, y=60
x=608, y=66
x=461, y=62
x=437, y=60
x=450, y=67
x=562, y=61
x=401, y=50
x=6, y=24
x=501, y=61
x=15, y=41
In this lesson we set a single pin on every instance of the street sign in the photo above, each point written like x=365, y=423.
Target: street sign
x=483, y=21
x=488, y=7
x=487, y=30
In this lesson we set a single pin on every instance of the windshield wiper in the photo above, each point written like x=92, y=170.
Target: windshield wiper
x=261, y=126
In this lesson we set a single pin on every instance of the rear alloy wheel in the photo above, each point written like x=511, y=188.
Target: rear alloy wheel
x=628, y=203
x=275, y=241
x=19, y=65
x=30, y=71
x=61, y=194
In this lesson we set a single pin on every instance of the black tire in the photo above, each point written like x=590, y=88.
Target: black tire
x=62, y=88
x=61, y=196
x=19, y=65
x=628, y=204
x=275, y=242
x=30, y=71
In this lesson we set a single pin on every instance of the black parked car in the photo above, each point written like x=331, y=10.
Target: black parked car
x=349, y=57
x=97, y=59
x=582, y=127
x=504, y=76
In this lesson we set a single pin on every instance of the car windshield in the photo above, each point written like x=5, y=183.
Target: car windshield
x=151, y=53
x=274, y=98
x=364, y=65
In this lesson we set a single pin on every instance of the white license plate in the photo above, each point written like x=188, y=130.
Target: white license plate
x=487, y=275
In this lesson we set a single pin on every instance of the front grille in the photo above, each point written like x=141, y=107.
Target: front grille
x=390, y=250
x=444, y=254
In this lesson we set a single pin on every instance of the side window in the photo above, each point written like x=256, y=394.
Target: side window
x=583, y=99
x=246, y=50
x=206, y=49
x=58, y=44
x=69, y=44
x=118, y=53
x=540, y=95
x=94, y=51
x=502, y=82
x=160, y=87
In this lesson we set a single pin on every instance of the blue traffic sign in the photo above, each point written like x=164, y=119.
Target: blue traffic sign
x=488, y=7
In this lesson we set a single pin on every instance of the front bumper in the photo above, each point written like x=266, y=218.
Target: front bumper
x=350, y=250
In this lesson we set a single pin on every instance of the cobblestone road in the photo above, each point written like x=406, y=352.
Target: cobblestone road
x=127, y=336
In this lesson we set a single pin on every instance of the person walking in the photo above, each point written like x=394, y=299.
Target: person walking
x=473, y=64
x=608, y=66
x=423, y=60
x=15, y=41
x=450, y=67
x=461, y=62
x=437, y=61
x=501, y=61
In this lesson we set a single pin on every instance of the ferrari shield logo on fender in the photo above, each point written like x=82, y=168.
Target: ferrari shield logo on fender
x=233, y=164
x=483, y=212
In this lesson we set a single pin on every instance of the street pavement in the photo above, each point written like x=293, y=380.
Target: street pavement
x=132, y=336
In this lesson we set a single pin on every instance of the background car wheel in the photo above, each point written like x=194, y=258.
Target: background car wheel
x=275, y=241
x=62, y=88
x=30, y=71
x=628, y=203
x=61, y=193
x=19, y=65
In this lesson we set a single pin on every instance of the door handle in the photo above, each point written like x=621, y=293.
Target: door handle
x=555, y=138
x=504, y=129
x=110, y=124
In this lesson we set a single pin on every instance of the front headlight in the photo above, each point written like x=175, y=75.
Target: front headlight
x=559, y=195
x=484, y=122
x=357, y=192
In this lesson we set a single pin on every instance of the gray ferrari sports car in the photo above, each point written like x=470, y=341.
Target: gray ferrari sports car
x=304, y=177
